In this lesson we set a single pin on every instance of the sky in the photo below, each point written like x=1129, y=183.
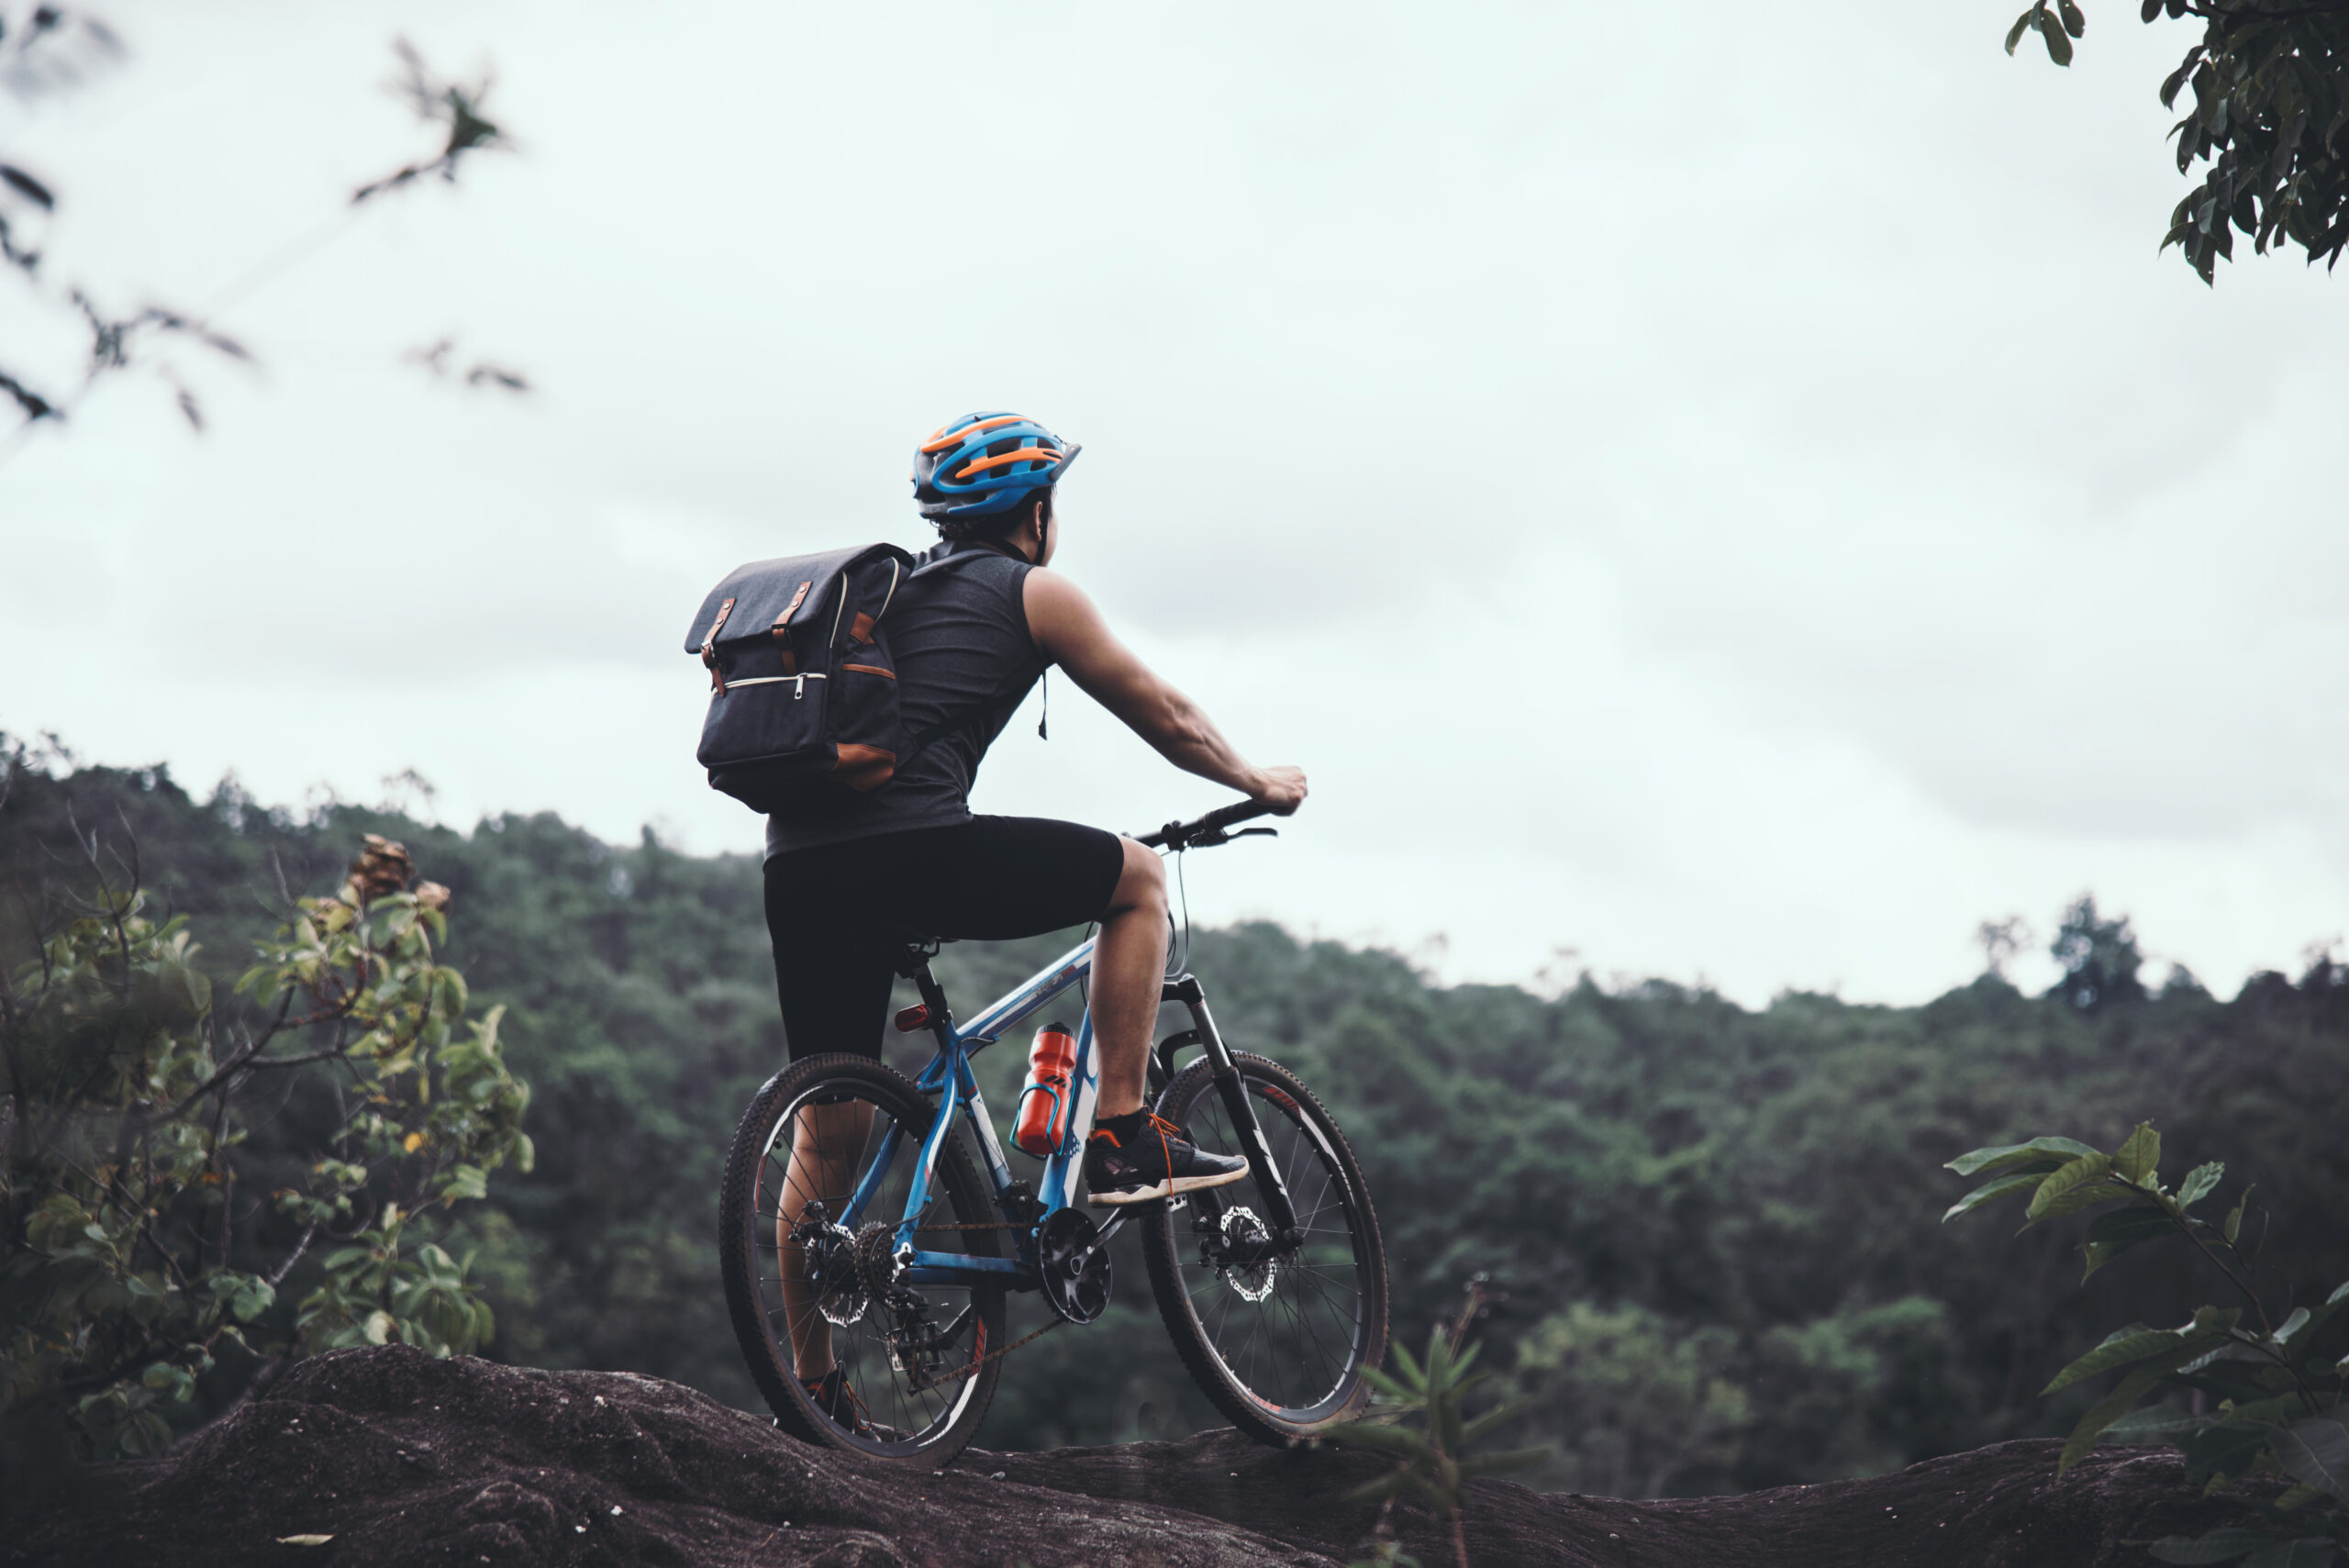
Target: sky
x=1715, y=492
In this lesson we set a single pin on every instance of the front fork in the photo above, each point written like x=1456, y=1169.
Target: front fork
x=1237, y=1104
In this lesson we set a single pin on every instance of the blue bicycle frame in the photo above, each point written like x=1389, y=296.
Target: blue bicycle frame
x=949, y=1077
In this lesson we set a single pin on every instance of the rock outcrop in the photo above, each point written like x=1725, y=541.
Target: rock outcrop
x=386, y=1456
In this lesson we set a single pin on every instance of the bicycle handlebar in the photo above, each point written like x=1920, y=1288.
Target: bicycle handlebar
x=1208, y=830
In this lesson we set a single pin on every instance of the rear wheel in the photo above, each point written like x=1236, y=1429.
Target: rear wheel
x=815, y=1187
x=1278, y=1338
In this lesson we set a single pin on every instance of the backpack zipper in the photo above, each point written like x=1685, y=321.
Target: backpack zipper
x=800, y=680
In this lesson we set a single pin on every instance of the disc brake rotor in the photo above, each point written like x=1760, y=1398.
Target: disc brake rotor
x=1247, y=1263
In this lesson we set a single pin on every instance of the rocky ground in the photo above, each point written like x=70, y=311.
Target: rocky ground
x=387, y=1456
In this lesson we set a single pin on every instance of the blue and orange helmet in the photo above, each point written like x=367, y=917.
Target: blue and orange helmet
x=984, y=464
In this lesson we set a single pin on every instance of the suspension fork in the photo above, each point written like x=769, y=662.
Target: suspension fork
x=1237, y=1104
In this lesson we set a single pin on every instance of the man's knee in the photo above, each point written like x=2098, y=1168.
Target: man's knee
x=1141, y=883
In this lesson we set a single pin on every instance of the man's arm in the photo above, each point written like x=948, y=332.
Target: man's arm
x=1072, y=634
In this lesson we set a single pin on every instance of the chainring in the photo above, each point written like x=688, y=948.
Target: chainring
x=1075, y=1265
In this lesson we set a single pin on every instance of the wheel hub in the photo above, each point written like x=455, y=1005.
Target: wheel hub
x=827, y=1265
x=847, y=1270
x=1245, y=1258
x=877, y=1269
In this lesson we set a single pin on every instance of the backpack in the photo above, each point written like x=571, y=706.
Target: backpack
x=802, y=702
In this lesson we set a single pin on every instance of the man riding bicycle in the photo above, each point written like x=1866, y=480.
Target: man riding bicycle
x=849, y=879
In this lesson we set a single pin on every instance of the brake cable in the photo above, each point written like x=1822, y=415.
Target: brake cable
x=1182, y=888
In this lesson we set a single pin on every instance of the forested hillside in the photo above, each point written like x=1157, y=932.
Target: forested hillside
x=1712, y=1231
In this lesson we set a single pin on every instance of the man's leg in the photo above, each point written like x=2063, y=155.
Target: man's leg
x=1127, y=1159
x=833, y=971
x=825, y=1145
x=1002, y=876
x=1129, y=966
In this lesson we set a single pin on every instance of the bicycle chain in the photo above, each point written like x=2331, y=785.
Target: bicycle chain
x=959, y=1373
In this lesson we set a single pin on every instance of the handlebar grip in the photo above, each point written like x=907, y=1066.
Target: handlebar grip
x=1182, y=833
x=1242, y=811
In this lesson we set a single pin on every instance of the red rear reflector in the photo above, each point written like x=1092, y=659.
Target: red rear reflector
x=913, y=1017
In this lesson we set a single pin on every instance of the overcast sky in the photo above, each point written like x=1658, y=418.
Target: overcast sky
x=1716, y=490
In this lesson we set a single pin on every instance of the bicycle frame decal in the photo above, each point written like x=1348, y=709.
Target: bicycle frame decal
x=1038, y=989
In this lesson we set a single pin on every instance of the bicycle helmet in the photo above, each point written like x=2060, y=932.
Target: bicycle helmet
x=982, y=465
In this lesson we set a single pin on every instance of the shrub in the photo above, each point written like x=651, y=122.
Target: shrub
x=131, y=1257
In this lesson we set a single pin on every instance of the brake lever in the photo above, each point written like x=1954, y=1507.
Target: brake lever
x=1214, y=836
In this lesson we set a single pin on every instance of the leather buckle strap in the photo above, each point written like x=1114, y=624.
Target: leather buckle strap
x=709, y=650
x=781, y=629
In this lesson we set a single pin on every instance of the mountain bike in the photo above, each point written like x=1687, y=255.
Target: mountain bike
x=855, y=1229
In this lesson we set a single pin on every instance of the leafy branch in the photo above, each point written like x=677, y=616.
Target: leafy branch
x=2277, y=1387
x=2271, y=101
x=119, y=342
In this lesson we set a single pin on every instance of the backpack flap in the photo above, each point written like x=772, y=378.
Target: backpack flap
x=777, y=637
x=768, y=617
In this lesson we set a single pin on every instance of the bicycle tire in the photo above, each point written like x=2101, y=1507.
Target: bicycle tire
x=746, y=1248
x=1190, y=1101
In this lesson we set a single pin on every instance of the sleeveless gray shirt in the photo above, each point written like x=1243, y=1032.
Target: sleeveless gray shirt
x=960, y=635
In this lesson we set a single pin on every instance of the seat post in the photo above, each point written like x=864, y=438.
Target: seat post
x=916, y=968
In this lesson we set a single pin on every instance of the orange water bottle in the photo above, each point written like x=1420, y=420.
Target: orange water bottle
x=1049, y=1095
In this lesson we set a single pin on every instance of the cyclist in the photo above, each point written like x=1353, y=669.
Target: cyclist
x=847, y=882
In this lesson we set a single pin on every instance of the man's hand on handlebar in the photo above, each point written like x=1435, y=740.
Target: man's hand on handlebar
x=1216, y=826
x=1280, y=789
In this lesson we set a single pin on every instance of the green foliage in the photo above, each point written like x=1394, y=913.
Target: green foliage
x=1650, y=1399
x=2271, y=104
x=2267, y=1398
x=2058, y=25
x=2100, y=958
x=1385, y=1551
x=128, y=1263
x=1651, y=1162
x=1432, y=1464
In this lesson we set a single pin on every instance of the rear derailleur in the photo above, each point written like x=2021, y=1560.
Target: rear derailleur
x=924, y=1353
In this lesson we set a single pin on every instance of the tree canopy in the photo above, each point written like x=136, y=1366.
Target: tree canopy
x=1711, y=1231
x=2271, y=102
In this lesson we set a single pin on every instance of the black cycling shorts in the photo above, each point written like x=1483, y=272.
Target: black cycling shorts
x=839, y=914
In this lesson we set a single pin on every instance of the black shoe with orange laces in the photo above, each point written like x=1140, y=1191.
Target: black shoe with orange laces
x=1141, y=1157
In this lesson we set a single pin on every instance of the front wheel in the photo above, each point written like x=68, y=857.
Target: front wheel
x=1278, y=1338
